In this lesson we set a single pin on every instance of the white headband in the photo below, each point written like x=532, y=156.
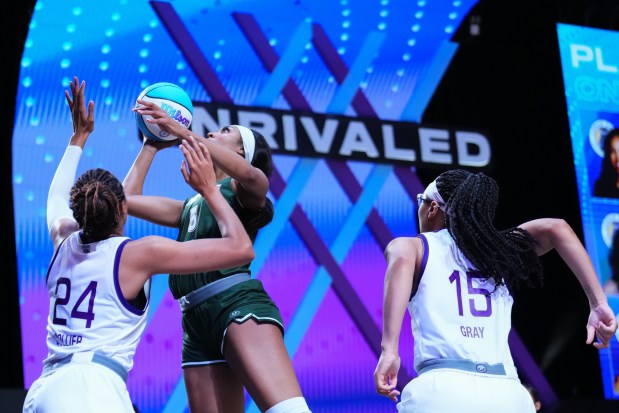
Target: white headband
x=432, y=194
x=249, y=142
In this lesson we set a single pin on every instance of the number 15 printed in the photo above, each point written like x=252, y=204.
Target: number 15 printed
x=471, y=292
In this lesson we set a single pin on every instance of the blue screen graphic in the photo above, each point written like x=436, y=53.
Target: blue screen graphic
x=590, y=62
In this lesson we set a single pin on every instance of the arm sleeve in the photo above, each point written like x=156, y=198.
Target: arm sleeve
x=60, y=188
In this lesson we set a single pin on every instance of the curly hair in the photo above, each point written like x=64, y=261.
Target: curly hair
x=508, y=257
x=95, y=200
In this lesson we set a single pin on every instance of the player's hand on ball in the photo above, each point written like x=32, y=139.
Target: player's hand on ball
x=154, y=115
x=163, y=112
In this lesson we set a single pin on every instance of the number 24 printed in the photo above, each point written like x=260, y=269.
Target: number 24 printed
x=89, y=294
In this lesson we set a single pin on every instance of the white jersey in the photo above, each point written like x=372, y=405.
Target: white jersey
x=456, y=314
x=87, y=309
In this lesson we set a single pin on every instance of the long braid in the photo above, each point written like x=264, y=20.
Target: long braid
x=95, y=201
x=508, y=257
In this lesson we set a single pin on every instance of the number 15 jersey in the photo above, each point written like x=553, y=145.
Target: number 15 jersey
x=455, y=313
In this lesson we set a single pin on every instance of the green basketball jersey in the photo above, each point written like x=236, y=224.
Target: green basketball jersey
x=197, y=221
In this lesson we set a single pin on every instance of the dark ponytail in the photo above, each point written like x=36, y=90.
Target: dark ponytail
x=508, y=257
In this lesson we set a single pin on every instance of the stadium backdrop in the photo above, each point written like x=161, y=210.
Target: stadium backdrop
x=339, y=90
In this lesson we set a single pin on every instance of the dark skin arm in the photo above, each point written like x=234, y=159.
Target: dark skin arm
x=156, y=255
x=251, y=183
x=157, y=209
x=558, y=235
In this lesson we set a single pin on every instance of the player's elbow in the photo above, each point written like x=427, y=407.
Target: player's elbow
x=549, y=232
x=558, y=226
x=247, y=251
x=242, y=249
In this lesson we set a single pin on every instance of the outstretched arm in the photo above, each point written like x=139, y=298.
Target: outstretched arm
x=557, y=234
x=155, y=255
x=60, y=221
x=160, y=210
x=253, y=183
x=401, y=256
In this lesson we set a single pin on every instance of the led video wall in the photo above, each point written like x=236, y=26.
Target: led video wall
x=590, y=63
x=338, y=88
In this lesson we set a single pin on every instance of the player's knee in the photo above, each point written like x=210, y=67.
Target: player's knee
x=292, y=405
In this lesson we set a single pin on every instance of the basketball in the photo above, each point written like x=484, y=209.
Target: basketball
x=171, y=98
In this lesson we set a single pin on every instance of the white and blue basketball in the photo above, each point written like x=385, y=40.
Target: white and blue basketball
x=171, y=98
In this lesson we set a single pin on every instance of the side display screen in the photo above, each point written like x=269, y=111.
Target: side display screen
x=590, y=64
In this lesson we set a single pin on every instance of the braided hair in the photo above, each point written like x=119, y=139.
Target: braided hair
x=95, y=200
x=508, y=257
